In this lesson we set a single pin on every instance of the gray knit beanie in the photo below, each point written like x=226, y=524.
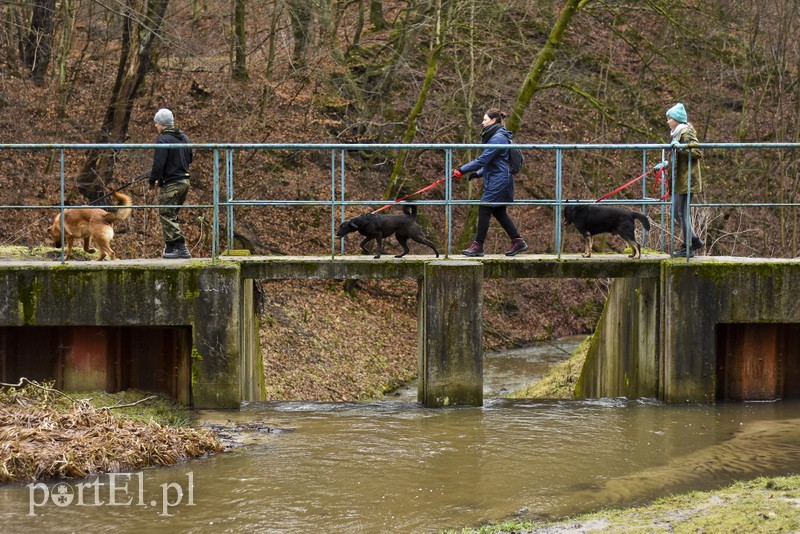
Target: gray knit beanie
x=164, y=117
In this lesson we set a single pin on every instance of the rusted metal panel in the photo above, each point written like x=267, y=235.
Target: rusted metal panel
x=106, y=358
x=758, y=361
x=751, y=362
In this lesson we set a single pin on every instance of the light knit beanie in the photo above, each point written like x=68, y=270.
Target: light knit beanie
x=164, y=117
x=678, y=112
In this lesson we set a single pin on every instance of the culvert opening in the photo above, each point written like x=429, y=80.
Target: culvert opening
x=758, y=361
x=86, y=358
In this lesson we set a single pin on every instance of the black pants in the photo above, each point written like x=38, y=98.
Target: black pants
x=484, y=216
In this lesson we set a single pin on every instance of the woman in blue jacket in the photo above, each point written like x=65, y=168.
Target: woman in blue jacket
x=498, y=183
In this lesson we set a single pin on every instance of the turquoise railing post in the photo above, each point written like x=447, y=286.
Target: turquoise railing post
x=557, y=210
x=333, y=203
x=343, y=197
x=644, y=192
x=673, y=162
x=229, y=195
x=63, y=200
x=688, y=214
x=448, y=192
x=215, y=200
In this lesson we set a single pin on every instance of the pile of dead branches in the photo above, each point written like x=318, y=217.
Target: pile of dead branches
x=46, y=434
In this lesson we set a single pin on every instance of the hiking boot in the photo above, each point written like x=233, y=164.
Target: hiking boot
x=176, y=251
x=475, y=249
x=697, y=244
x=680, y=252
x=517, y=245
x=169, y=250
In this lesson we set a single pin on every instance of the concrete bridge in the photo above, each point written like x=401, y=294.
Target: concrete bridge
x=682, y=331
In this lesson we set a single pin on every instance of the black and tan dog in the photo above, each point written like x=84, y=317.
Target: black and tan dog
x=378, y=227
x=90, y=224
x=591, y=219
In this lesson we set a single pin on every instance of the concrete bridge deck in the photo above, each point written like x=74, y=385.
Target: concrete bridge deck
x=387, y=267
x=681, y=331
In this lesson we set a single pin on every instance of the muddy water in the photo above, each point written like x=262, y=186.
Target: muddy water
x=393, y=466
x=512, y=370
x=397, y=467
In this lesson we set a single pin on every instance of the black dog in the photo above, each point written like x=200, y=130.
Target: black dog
x=378, y=227
x=591, y=220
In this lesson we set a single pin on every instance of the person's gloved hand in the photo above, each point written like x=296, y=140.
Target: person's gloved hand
x=661, y=166
x=456, y=173
x=472, y=176
x=674, y=143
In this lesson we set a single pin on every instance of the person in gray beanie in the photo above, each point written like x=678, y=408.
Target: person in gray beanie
x=171, y=172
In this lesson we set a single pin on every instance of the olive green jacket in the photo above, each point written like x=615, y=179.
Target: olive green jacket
x=686, y=135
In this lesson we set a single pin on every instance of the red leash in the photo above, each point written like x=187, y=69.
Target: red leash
x=434, y=184
x=659, y=174
x=660, y=179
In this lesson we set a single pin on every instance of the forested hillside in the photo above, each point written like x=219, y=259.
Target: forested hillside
x=297, y=71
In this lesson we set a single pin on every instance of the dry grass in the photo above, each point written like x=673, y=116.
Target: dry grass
x=45, y=434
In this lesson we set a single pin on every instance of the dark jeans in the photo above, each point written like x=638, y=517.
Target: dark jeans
x=683, y=218
x=484, y=216
x=172, y=194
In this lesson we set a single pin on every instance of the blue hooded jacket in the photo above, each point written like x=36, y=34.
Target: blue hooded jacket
x=493, y=166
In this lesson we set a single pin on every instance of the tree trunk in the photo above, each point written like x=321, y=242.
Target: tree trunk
x=67, y=29
x=239, y=41
x=11, y=35
x=198, y=7
x=545, y=55
x=300, y=16
x=141, y=25
x=38, y=43
x=376, y=14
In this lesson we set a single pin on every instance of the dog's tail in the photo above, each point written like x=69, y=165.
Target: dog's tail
x=410, y=210
x=121, y=213
x=643, y=219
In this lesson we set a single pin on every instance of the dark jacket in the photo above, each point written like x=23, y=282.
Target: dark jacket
x=171, y=164
x=493, y=166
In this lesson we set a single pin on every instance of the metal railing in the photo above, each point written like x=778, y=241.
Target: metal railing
x=225, y=200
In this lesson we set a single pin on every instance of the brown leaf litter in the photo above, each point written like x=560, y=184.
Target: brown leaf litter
x=45, y=434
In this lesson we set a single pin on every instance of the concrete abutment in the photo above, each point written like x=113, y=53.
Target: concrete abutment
x=683, y=332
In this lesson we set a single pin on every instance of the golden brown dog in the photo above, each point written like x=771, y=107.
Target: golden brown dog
x=90, y=224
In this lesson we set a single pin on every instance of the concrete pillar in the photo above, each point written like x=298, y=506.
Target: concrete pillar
x=451, y=334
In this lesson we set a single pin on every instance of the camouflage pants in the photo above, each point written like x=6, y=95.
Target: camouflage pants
x=172, y=194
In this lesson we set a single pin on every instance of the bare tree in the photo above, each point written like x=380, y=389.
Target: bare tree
x=376, y=14
x=441, y=18
x=38, y=41
x=300, y=17
x=141, y=26
x=239, y=41
x=543, y=58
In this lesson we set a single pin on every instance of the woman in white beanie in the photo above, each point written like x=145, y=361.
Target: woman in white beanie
x=683, y=133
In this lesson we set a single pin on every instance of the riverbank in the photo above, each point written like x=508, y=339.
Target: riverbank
x=46, y=434
x=767, y=504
